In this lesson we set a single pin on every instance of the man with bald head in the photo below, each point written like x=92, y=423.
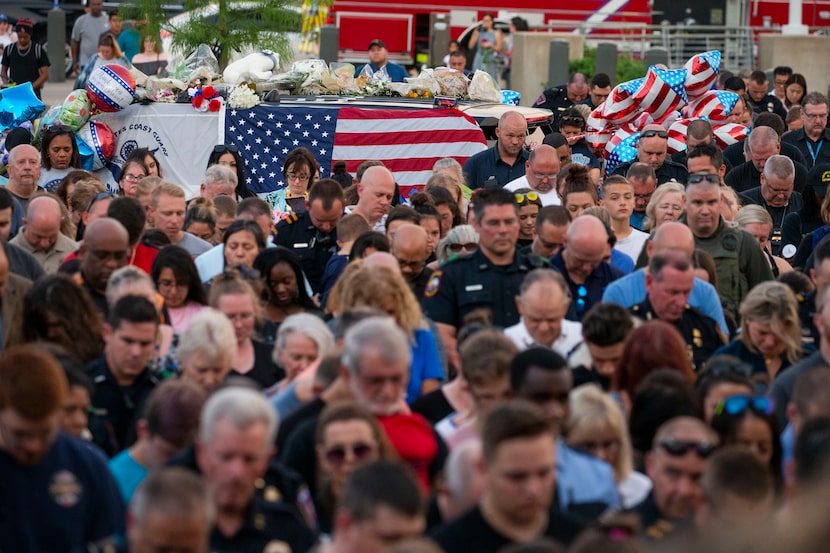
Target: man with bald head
x=409, y=247
x=41, y=235
x=581, y=262
x=105, y=249
x=652, y=148
x=504, y=162
x=375, y=192
x=763, y=143
x=541, y=170
x=675, y=464
x=630, y=290
x=776, y=195
x=24, y=172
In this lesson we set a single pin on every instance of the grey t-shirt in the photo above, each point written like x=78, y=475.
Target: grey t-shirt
x=87, y=31
x=194, y=245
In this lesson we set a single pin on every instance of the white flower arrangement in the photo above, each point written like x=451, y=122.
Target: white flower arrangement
x=242, y=97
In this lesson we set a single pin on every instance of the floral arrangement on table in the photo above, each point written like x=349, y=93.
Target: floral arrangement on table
x=205, y=98
x=243, y=97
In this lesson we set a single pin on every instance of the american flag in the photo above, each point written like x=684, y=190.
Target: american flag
x=663, y=91
x=408, y=142
x=702, y=73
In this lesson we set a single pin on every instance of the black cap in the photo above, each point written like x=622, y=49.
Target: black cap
x=819, y=178
x=16, y=137
x=377, y=42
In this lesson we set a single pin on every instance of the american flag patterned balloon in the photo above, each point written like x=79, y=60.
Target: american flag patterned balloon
x=677, y=136
x=663, y=91
x=624, y=151
x=727, y=134
x=715, y=105
x=621, y=106
x=702, y=73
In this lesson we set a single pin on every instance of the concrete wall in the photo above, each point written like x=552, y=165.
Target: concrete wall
x=531, y=51
x=805, y=54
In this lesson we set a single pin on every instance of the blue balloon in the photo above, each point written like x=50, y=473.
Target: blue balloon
x=19, y=104
x=86, y=153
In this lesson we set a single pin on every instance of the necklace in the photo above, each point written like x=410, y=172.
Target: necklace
x=21, y=52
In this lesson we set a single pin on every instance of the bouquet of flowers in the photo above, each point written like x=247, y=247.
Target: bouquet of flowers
x=205, y=98
x=242, y=97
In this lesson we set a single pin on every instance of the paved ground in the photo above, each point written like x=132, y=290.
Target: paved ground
x=56, y=92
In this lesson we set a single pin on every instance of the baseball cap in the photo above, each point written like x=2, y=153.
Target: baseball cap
x=819, y=178
x=377, y=42
x=16, y=137
x=3, y=17
x=25, y=24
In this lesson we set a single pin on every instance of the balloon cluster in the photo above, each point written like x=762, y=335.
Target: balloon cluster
x=18, y=105
x=669, y=97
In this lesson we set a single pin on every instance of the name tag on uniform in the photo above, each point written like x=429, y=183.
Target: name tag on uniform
x=301, y=245
x=474, y=288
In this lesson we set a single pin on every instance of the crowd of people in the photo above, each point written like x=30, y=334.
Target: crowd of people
x=564, y=360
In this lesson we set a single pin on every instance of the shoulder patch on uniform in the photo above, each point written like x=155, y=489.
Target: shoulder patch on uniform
x=434, y=284
x=291, y=219
x=541, y=99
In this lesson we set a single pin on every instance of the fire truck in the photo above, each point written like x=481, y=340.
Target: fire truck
x=406, y=26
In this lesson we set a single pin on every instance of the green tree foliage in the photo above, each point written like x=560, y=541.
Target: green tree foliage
x=226, y=26
x=628, y=68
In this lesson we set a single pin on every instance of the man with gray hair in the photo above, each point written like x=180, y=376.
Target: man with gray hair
x=41, y=235
x=810, y=139
x=236, y=437
x=776, y=195
x=543, y=301
x=763, y=143
x=218, y=180
x=170, y=511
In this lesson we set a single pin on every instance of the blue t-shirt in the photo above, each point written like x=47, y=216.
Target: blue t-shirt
x=621, y=261
x=62, y=504
x=426, y=364
x=631, y=290
x=583, y=479
x=128, y=474
x=395, y=71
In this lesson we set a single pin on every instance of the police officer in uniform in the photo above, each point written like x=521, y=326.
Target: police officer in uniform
x=559, y=98
x=491, y=276
x=312, y=235
x=669, y=283
x=235, y=443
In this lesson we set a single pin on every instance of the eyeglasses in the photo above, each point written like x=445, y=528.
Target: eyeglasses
x=654, y=132
x=679, y=448
x=543, y=176
x=814, y=115
x=222, y=148
x=133, y=178
x=736, y=405
x=571, y=121
x=529, y=196
x=295, y=176
x=581, y=294
x=469, y=246
x=700, y=177
x=337, y=454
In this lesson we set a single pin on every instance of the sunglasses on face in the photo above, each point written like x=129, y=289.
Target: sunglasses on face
x=337, y=454
x=736, y=405
x=679, y=448
x=651, y=133
x=222, y=148
x=469, y=246
x=700, y=177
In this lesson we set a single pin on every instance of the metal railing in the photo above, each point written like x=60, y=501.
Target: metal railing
x=736, y=44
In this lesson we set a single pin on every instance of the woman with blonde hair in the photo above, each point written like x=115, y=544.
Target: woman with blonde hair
x=770, y=339
x=596, y=425
x=756, y=221
x=386, y=289
x=207, y=349
x=666, y=204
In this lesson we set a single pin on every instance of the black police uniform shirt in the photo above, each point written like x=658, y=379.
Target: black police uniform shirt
x=753, y=196
x=313, y=246
x=556, y=100
x=734, y=153
x=472, y=533
x=68, y=502
x=269, y=525
x=590, y=292
x=464, y=284
x=769, y=103
x=700, y=332
x=668, y=171
x=488, y=165
x=116, y=409
x=745, y=177
x=815, y=152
